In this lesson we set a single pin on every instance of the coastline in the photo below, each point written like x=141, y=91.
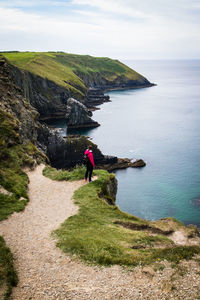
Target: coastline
x=130, y=88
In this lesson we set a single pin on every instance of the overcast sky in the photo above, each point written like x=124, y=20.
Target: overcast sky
x=122, y=29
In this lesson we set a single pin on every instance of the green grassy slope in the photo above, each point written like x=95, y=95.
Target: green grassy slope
x=67, y=69
x=95, y=234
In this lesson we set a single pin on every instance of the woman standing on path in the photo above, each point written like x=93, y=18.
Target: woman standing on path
x=89, y=163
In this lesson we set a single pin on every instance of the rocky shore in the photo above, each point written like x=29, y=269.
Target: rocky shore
x=95, y=96
x=122, y=163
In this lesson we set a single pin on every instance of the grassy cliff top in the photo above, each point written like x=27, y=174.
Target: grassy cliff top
x=68, y=69
x=103, y=234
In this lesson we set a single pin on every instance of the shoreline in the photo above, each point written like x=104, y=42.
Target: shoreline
x=130, y=88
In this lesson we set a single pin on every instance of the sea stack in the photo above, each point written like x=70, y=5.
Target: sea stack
x=78, y=116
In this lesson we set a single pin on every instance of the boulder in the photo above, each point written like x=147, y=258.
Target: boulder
x=78, y=116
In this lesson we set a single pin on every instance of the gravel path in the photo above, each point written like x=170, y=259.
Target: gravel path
x=45, y=273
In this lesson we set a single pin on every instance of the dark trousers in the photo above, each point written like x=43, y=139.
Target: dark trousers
x=89, y=169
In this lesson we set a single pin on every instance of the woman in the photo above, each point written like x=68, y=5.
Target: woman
x=89, y=163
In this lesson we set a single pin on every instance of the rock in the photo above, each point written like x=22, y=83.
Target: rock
x=139, y=163
x=109, y=190
x=98, y=80
x=122, y=163
x=67, y=153
x=4, y=191
x=78, y=116
x=96, y=97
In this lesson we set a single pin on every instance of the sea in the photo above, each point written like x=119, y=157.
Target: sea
x=161, y=125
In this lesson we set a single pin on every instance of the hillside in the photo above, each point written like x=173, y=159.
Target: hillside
x=77, y=73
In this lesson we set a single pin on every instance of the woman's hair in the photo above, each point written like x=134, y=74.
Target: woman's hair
x=90, y=147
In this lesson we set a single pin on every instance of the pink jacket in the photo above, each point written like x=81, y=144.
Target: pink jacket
x=90, y=156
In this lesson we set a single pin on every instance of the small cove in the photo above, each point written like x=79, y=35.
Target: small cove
x=161, y=125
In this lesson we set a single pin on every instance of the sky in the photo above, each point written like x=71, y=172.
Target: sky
x=120, y=29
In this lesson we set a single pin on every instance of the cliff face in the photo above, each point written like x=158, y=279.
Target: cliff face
x=67, y=153
x=48, y=98
x=98, y=80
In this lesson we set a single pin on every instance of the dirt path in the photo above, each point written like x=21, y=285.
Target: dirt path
x=46, y=273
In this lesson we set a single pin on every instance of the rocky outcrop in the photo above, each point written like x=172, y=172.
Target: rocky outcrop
x=122, y=163
x=78, y=116
x=99, y=81
x=68, y=152
x=96, y=97
x=109, y=189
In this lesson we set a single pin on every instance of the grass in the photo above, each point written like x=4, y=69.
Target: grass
x=93, y=236
x=68, y=70
x=159, y=267
x=76, y=174
x=8, y=276
x=13, y=157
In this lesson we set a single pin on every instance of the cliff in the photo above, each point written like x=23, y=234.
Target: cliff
x=76, y=73
x=49, y=79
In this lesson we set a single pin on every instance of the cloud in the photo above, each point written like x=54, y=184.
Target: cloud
x=120, y=29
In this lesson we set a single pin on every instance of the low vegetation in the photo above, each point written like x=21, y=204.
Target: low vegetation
x=54, y=174
x=13, y=187
x=96, y=236
x=13, y=157
x=8, y=276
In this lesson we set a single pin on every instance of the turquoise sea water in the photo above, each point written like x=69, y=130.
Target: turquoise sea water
x=161, y=125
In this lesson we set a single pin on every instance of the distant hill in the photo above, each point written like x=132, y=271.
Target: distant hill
x=76, y=73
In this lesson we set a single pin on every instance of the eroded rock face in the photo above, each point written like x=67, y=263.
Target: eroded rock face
x=44, y=95
x=96, y=97
x=78, y=116
x=98, y=80
x=112, y=189
x=12, y=101
x=109, y=190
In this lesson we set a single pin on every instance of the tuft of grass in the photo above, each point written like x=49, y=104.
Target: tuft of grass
x=8, y=276
x=94, y=237
x=76, y=174
x=159, y=267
